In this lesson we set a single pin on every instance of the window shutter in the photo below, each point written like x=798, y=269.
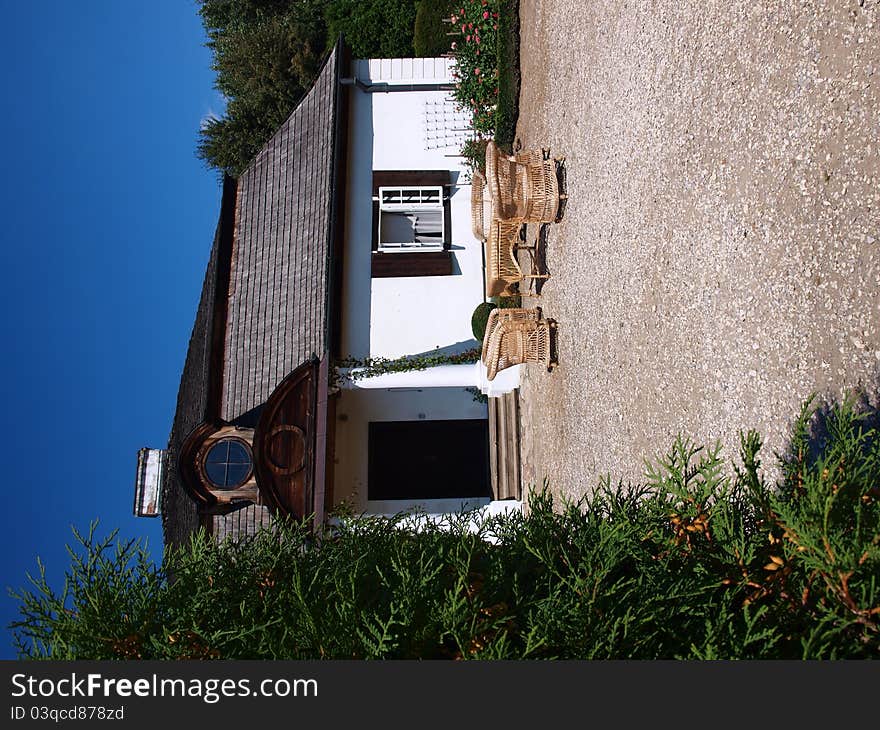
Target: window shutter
x=426, y=263
x=405, y=178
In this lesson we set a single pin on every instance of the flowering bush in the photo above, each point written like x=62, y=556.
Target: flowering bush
x=476, y=57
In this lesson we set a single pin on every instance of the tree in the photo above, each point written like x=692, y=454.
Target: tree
x=374, y=28
x=266, y=55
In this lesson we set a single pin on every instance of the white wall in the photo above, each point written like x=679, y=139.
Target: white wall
x=391, y=317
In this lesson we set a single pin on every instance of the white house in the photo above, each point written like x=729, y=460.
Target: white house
x=347, y=236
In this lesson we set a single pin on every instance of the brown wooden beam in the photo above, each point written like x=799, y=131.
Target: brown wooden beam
x=418, y=263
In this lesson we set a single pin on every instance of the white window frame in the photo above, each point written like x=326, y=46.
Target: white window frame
x=425, y=192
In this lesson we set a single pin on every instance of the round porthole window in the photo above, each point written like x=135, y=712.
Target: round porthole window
x=228, y=463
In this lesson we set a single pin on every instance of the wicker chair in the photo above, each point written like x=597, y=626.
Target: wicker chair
x=481, y=206
x=502, y=268
x=524, y=186
x=500, y=316
x=516, y=342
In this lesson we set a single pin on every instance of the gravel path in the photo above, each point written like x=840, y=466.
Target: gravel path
x=719, y=258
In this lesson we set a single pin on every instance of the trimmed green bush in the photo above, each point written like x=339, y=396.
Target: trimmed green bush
x=507, y=110
x=430, y=37
x=374, y=28
x=699, y=562
x=479, y=319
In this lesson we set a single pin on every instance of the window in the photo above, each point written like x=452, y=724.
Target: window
x=411, y=218
x=228, y=463
x=412, y=223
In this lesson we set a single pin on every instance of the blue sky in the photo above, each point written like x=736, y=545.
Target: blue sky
x=108, y=218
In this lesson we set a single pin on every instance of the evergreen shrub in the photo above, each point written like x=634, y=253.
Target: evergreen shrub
x=374, y=28
x=705, y=560
x=430, y=37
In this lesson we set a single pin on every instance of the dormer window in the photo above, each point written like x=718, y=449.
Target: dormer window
x=228, y=463
x=216, y=464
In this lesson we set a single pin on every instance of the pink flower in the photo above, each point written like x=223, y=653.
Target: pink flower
x=485, y=15
x=477, y=39
x=494, y=26
x=463, y=27
x=467, y=39
x=471, y=26
x=454, y=19
x=477, y=71
x=461, y=11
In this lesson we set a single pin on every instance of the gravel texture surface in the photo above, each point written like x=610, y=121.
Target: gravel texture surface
x=719, y=257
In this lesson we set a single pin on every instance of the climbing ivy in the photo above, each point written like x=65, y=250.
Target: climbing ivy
x=479, y=395
x=368, y=367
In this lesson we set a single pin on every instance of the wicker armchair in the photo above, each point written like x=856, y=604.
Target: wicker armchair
x=502, y=268
x=499, y=316
x=524, y=186
x=516, y=342
x=481, y=206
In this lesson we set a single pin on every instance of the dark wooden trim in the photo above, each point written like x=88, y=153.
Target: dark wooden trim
x=289, y=494
x=417, y=263
x=206, y=521
x=374, y=228
x=421, y=178
x=323, y=443
x=191, y=468
x=336, y=236
x=330, y=461
x=188, y=467
x=447, y=221
x=220, y=308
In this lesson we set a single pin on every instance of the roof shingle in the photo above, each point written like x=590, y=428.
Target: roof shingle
x=279, y=280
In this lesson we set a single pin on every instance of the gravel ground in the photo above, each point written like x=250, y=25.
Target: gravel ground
x=719, y=257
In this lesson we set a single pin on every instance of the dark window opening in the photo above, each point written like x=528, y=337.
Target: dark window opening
x=428, y=459
x=228, y=464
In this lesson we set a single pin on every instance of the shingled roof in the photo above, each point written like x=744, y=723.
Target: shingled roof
x=179, y=514
x=277, y=297
x=276, y=312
